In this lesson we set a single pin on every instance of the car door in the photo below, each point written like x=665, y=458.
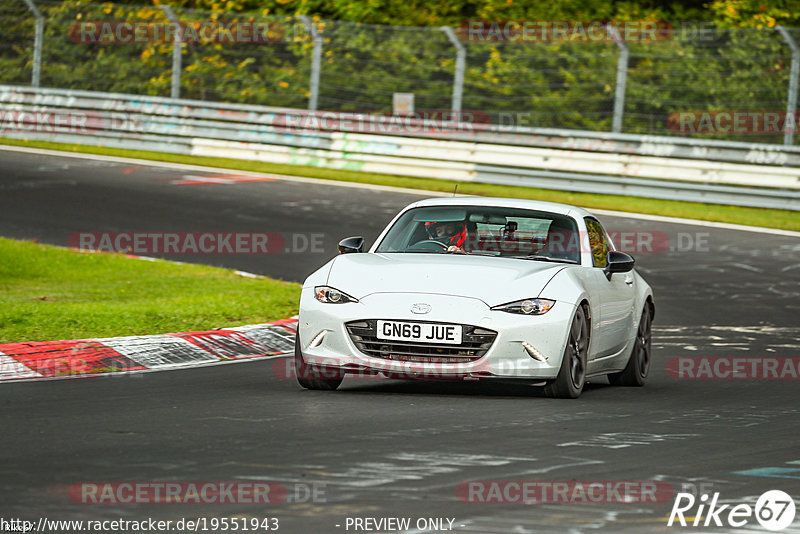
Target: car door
x=612, y=328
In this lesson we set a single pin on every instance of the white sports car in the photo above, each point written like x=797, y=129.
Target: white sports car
x=478, y=288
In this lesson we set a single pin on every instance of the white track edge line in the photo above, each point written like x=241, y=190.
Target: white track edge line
x=203, y=168
x=373, y=187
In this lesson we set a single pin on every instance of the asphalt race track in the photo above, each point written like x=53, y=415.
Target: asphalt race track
x=380, y=448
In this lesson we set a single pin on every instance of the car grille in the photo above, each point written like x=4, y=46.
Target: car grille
x=475, y=341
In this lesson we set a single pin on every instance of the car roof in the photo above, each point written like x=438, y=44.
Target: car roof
x=538, y=205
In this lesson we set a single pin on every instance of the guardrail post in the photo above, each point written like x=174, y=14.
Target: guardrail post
x=622, y=79
x=794, y=73
x=461, y=59
x=316, y=62
x=37, y=43
x=177, y=51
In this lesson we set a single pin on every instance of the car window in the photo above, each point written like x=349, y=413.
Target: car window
x=484, y=230
x=598, y=242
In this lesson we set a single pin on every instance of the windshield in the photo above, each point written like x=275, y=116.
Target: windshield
x=485, y=230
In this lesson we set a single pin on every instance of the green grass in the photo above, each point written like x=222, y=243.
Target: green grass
x=782, y=219
x=50, y=293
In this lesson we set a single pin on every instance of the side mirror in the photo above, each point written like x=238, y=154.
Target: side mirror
x=618, y=262
x=349, y=245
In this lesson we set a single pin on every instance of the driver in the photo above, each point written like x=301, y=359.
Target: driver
x=453, y=234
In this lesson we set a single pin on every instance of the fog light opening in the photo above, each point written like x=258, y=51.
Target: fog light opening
x=533, y=353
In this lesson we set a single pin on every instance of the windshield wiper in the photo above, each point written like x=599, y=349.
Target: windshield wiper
x=548, y=258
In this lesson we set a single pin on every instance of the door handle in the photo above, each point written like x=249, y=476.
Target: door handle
x=629, y=281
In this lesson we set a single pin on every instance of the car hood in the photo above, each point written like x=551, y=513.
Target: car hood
x=490, y=279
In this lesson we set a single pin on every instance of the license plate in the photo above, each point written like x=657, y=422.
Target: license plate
x=420, y=332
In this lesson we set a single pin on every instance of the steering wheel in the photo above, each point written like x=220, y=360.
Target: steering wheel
x=425, y=244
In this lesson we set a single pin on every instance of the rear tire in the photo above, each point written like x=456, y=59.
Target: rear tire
x=572, y=374
x=310, y=377
x=635, y=373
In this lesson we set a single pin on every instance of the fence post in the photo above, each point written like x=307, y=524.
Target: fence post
x=177, y=50
x=794, y=72
x=316, y=62
x=622, y=79
x=461, y=59
x=37, y=43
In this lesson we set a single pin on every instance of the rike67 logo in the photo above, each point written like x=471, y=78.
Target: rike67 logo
x=774, y=510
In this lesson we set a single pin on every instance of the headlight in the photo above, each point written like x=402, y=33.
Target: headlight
x=527, y=306
x=330, y=295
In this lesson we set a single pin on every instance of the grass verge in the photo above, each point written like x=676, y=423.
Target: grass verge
x=782, y=219
x=49, y=293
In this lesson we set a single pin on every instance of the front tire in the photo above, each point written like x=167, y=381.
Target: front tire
x=635, y=373
x=310, y=377
x=572, y=374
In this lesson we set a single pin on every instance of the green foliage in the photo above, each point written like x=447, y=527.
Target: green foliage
x=726, y=56
x=50, y=293
x=754, y=13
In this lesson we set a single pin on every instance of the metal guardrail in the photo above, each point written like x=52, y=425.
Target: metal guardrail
x=590, y=141
x=655, y=167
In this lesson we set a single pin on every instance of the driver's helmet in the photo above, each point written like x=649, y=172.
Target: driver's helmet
x=447, y=232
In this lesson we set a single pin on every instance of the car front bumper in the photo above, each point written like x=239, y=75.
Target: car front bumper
x=326, y=343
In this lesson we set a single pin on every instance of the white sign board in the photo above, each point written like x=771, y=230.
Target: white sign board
x=403, y=103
